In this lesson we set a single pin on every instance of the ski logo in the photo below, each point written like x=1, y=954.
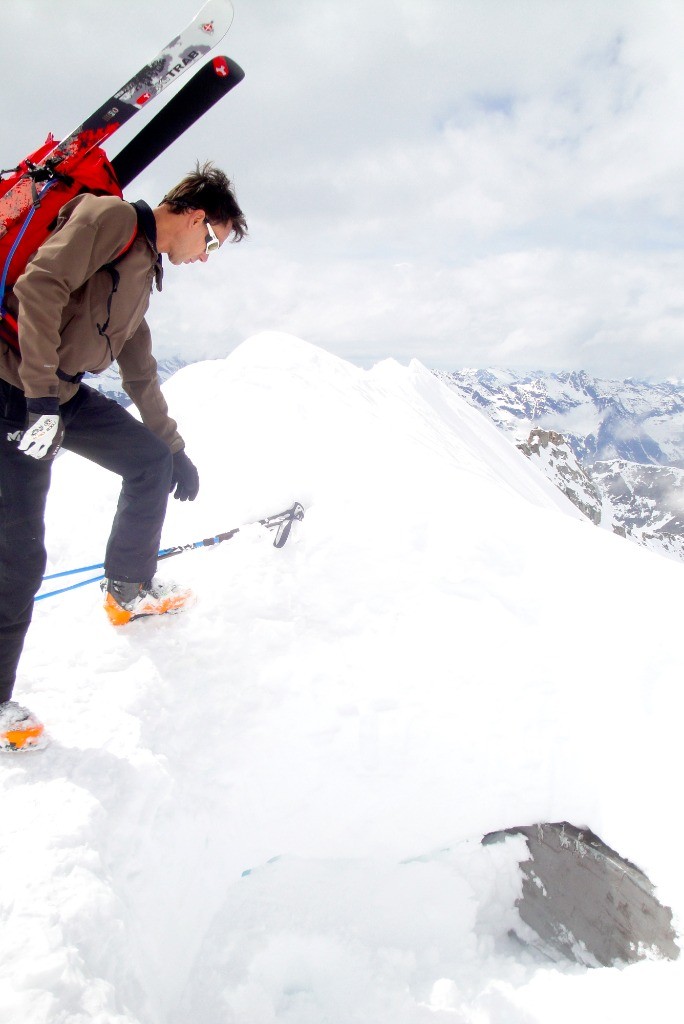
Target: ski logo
x=208, y=27
x=221, y=67
x=189, y=58
x=143, y=98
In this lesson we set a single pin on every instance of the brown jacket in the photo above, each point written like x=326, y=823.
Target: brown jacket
x=64, y=296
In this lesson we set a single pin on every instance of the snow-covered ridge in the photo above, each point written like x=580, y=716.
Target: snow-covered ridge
x=634, y=500
x=269, y=809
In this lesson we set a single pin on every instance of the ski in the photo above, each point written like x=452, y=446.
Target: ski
x=281, y=522
x=206, y=29
x=205, y=88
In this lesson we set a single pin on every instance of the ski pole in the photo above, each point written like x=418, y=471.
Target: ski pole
x=282, y=522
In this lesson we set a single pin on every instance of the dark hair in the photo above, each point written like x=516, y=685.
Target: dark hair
x=207, y=188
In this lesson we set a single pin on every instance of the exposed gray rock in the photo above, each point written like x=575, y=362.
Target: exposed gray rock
x=586, y=902
x=559, y=464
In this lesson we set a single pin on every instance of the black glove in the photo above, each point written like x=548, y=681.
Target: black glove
x=185, y=477
x=44, y=430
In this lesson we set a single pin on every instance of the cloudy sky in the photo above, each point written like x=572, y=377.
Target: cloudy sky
x=466, y=182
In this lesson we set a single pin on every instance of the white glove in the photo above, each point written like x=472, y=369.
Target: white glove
x=43, y=435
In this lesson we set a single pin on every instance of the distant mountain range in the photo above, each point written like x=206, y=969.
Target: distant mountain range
x=616, y=448
x=108, y=383
x=601, y=420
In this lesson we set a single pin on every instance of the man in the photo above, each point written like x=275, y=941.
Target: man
x=81, y=305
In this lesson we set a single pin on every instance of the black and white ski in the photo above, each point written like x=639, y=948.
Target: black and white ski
x=193, y=99
x=206, y=29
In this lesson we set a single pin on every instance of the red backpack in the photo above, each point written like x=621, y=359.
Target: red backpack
x=52, y=190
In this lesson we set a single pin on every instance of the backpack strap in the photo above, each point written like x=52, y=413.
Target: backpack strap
x=147, y=226
x=115, y=276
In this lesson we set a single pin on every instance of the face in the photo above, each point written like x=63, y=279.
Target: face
x=189, y=244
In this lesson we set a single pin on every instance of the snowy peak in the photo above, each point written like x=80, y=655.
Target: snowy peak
x=311, y=409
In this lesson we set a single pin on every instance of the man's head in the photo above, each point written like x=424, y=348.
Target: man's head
x=198, y=213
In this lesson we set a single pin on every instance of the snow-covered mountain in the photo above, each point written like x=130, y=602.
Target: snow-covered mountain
x=602, y=420
x=624, y=439
x=271, y=807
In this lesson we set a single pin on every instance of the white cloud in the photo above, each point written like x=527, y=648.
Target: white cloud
x=614, y=315
x=521, y=160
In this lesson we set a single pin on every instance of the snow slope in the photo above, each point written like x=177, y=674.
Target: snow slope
x=268, y=810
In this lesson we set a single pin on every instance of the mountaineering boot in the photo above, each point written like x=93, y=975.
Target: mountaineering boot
x=126, y=601
x=19, y=729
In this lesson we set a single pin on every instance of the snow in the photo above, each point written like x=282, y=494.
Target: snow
x=268, y=810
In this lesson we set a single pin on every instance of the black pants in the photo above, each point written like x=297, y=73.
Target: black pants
x=102, y=432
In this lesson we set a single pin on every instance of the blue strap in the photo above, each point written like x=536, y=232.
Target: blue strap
x=17, y=240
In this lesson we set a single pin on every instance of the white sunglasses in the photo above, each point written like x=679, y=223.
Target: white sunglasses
x=211, y=239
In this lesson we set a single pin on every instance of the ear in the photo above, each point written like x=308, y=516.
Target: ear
x=195, y=217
